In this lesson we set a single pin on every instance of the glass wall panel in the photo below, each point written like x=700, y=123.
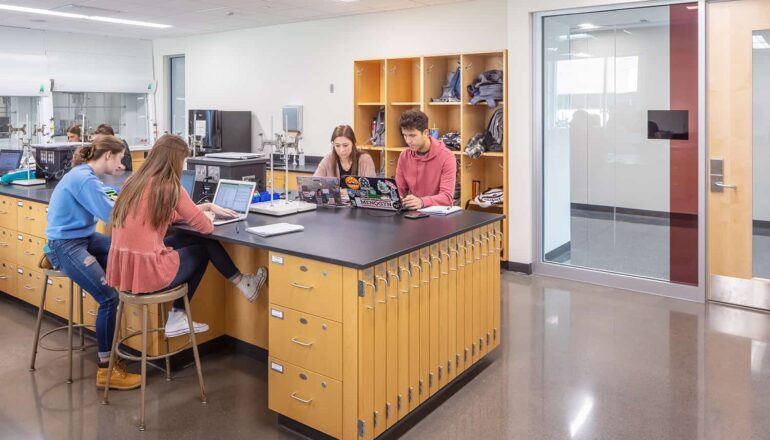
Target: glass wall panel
x=125, y=112
x=15, y=113
x=620, y=152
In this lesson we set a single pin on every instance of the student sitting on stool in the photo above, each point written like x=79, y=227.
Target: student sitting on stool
x=143, y=261
x=79, y=251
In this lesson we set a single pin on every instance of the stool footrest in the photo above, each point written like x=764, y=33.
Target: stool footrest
x=57, y=329
x=130, y=357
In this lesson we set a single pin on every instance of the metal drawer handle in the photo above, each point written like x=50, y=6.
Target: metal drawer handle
x=3, y=244
x=92, y=313
x=29, y=218
x=299, y=399
x=28, y=288
x=28, y=253
x=3, y=212
x=300, y=286
x=304, y=344
x=3, y=277
x=58, y=300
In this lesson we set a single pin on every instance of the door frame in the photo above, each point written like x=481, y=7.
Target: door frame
x=600, y=277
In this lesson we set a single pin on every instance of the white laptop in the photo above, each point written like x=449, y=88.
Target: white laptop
x=235, y=195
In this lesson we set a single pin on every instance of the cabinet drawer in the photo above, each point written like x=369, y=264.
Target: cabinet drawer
x=8, y=213
x=29, y=249
x=306, y=285
x=29, y=284
x=8, y=282
x=31, y=217
x=306, y=397
x=57, y=298
x=132, y=319
x=8, y=244
x=306, y=340
x=90, y=308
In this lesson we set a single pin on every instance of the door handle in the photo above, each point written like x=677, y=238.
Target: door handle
x=717, y=175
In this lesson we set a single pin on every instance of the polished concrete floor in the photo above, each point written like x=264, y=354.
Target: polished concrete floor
x=577, y=362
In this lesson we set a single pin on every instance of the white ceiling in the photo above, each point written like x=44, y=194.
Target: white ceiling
x=190, y=17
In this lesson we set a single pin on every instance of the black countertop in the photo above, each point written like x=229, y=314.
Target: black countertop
x=356, y=238
x=307, y=168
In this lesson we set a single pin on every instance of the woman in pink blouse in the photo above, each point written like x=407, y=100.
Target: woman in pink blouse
x=143, y=260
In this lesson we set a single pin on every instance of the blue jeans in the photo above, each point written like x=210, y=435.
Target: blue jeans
x=83, y=260
x=194, y=256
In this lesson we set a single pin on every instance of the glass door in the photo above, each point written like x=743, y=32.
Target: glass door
x=738, y=37
x=620, y=202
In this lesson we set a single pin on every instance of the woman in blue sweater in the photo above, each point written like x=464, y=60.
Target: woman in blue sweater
x=75, y=248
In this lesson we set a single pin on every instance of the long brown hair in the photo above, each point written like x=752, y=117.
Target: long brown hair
x=160, y=175
x=99, y=146
x=75, y=129
x=346, y=132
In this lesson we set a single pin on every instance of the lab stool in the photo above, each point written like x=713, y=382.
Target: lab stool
x=146, y=300
x=49, y=272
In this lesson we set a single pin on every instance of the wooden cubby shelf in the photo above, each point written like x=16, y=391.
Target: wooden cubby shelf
x=400, y=84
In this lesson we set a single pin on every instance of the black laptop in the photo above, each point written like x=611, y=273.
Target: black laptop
x=372, y=193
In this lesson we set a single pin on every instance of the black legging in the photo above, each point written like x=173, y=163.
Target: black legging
x=194, y=255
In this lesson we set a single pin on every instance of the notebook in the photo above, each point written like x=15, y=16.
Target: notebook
x=275, y=229
x=440, y=210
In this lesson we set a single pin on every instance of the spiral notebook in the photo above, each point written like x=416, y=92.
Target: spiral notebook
x=275, y=229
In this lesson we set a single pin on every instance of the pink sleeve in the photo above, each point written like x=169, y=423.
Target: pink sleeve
x=322, y=166
x=187, y=212
x=403, y=187
x=366, y=166
x=446, y=188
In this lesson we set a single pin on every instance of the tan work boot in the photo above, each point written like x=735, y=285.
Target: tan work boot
x=121, y=379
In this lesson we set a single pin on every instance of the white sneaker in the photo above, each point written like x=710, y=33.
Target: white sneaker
x=251, y=285
x=177, y=325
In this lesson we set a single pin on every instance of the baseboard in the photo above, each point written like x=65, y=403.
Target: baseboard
x=512, y=266
x=558, y=251
x=634, y=211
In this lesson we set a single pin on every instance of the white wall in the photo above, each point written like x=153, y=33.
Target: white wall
x=520, y=165
x=263, y=69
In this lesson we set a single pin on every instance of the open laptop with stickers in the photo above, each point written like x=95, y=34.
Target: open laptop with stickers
x=373, y=193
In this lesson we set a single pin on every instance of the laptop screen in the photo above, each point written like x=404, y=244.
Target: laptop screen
x=9, y=159
x=188, y=181
x=235, y=196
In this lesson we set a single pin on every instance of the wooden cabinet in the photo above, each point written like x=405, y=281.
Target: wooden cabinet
x=8, y=213
x=279, y=179
x=31, y=217
x=399, y=84
x=306, y=285
x=8, y=278
x=305, y=396
x=29, y=250
x=305, y=339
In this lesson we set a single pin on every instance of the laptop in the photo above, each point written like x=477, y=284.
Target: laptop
x=323, y=191
x=188, y=181
x=9, y=160
x=235, y=195
x=373, y=193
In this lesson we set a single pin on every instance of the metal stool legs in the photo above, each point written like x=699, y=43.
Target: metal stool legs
x=144, y=358
x=194, y=348
x=70, y=326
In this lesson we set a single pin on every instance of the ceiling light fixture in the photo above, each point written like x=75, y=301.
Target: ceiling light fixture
x=588, y=26
x=23, y=9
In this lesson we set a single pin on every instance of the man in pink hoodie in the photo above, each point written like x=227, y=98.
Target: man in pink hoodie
x=427, y=170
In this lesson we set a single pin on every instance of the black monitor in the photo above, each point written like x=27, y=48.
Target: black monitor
x=668, y=124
